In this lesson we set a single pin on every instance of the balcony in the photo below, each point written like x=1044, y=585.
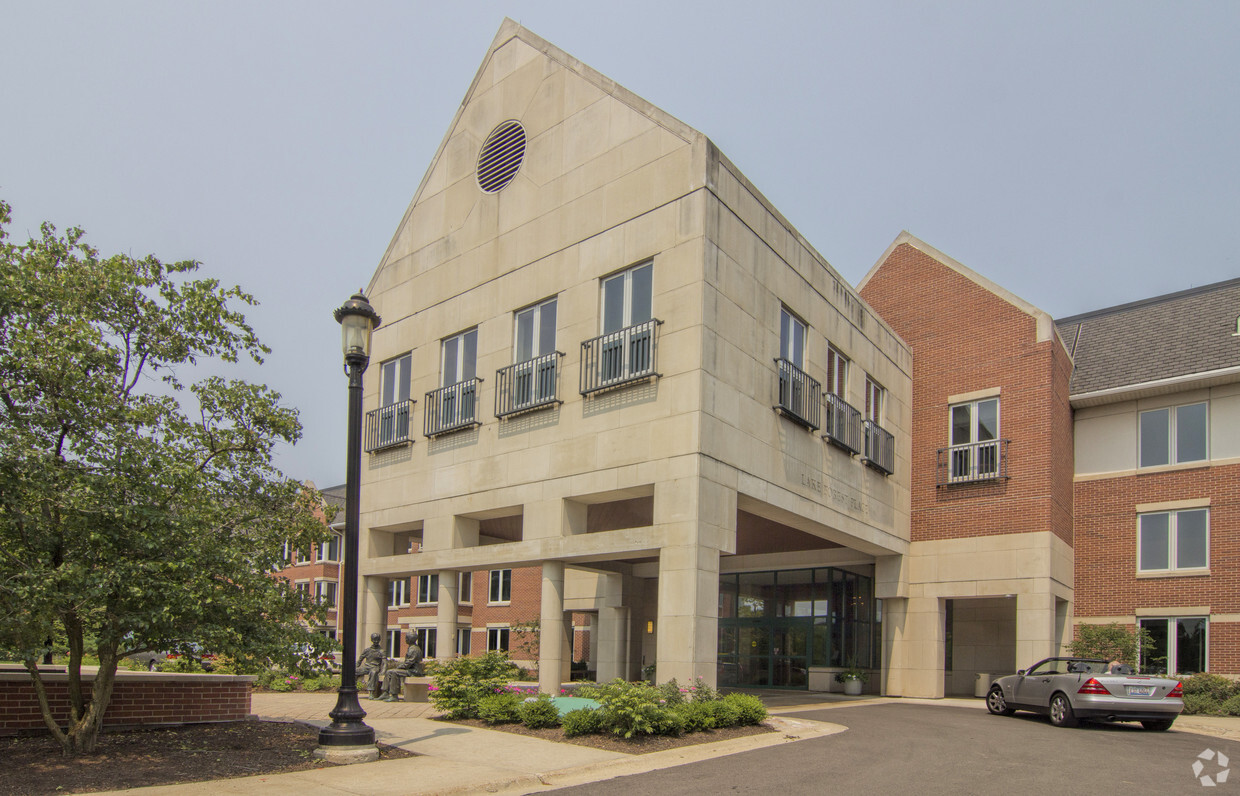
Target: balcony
x=880, y=448
x=972, y=463
x=388, y=426
x=798, y=395
x=619, y=358
x=843, y=424
x=528, y=385
x=452, y=408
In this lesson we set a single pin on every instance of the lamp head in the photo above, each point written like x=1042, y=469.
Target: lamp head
x=357, y=320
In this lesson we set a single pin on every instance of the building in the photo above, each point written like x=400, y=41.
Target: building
x=605, y=355
x=315, y=570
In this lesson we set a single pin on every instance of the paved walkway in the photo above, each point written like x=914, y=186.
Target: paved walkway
x=455, y=759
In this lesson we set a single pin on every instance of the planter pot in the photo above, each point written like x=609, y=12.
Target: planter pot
x=852, y=687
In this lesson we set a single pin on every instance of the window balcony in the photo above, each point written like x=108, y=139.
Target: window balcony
x=798, y=395
x=619, y=358
x=528, y=385
x=388, y=426
x=843, y=424
x=972, y=463
x=452, y=408
x=880, y=448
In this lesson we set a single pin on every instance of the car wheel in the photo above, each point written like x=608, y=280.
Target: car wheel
x=1158, y=725
x=151, y=665
x=1061, y=711
x=997, y=704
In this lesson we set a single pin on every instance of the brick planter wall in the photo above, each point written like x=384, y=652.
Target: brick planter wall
x=138, y=699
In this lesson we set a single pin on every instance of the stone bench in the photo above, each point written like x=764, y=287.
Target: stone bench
x=417, y=689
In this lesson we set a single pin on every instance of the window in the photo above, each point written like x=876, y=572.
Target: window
x=534, y=343
x=1174, y=540
x=501, y=587
x=398, y=593
x=791, y=338
x=625, y=349
x=394, y=379
x=330, y=550
x=393, y=644
x=428, y=589
x=497, y=639
x=873, y=400
x=974, y=435
x=325, y=591
x=626, y=298
x=394, y=409
x=426, y=640
x=462, y=641
x=303, y=587
x=1177, y=645
x=465, y=587
x=460, y=354
x=305, y=554
x=329, y=632
x=837, y=371
x=1174, y=434
x=452, y=406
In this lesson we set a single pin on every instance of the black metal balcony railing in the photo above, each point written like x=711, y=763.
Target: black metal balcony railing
x=452, y=408
x=798, y=395
x=880, y=448
x=842, y=426
x=388, y=426
x=528, y=385
x=976, y=461
x=619, y=358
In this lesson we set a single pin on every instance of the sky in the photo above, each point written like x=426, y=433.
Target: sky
x=1081, y=155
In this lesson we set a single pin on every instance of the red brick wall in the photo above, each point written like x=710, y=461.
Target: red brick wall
x=137, y=699
x=965, y=338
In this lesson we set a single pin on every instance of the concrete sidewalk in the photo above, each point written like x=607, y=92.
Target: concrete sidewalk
x=456, y=759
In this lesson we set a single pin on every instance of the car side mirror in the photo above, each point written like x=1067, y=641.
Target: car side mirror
x=1021, y=672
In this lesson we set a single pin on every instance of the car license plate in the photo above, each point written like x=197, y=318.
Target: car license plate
x=1139, y=690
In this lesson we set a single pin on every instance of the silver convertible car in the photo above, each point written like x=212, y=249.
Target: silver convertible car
x=1073, y=689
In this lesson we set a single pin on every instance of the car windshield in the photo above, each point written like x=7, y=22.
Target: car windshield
x=1048, y=667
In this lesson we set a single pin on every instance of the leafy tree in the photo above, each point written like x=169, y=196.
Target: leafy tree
x=1112, y=642
x=136, y=513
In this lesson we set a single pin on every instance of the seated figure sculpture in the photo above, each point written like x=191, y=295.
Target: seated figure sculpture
x=411, y=666
x=370, y=665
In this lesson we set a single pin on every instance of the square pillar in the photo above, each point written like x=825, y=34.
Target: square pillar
x=687, y=629
x=445, y=616
x=449, y=533
x=1035, y=627
x=554, y=642
x=371, y=609
x=913, y=647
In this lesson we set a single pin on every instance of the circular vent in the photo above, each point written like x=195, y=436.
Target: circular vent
x=501, y=156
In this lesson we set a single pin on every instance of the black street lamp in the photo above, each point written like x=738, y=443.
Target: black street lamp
x=348, y=738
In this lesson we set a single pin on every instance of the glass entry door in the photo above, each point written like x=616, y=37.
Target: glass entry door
x=768, y=654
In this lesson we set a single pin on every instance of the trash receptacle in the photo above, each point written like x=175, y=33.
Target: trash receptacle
x=982, y=685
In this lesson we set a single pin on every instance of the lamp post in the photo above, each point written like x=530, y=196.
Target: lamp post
x=348, y=738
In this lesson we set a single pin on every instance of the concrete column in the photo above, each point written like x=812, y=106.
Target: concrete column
x=612, y=631
x=913, y=647
x=546, y=519
x=371, y=609
x=1035, y=626
x=449, y=533
x=687, y=628
x=553, y=629
x=445, y=616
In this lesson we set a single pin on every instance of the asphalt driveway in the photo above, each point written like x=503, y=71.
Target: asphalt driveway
x=926, y=749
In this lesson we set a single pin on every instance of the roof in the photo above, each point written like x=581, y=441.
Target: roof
x=1179, y=337
x=333, y=495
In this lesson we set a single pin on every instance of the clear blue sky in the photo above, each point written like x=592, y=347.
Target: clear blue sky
x=1079, y=154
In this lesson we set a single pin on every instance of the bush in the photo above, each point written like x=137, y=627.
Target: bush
x=582, y=721
x=282, y=685
x=749, y=709
x=538, y=712
x=726, y=713
x=1110, y=642
x=182, y=663
x=266, y=677
x=671, y=693
x=628, y=709
x=462, y=682
x=702, y=692
x=313, y=684
x=1214, y=686
x=669, y=721
x=1201, y=704
x=499, y=708
x=697, y=716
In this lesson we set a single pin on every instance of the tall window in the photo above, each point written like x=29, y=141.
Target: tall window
x=460, y=355
x=330, y=550
x=1179, y=645
x=497, y=638
x=791, y=338
x=462, y=641
x=626, y=347
x=325, y=591
x=1174, y=434
x=534, y=343
x=873, y=400
x=394, y=380
x=1174, y=540
x=837, y=372
x=428, y=589
x=393, y=644
x=501, y=586
x=974, y=431
x=465, y=588
x=398, y=592
x=626, y=298
x=426, y=640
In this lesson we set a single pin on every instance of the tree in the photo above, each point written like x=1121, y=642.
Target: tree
x=1112, y=642
x=137, y=513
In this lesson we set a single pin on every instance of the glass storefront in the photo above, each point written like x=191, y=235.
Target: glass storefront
x=773, y=626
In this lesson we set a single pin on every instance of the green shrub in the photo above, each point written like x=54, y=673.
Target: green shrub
x=670, y=722
x=313, y=684
x=588, y=691
x=266, y=677
x=1231, y=707
x=749, y=709
x=462, y=682
x=1110, y=642
x=628, y=709
x=1214, y=686
x=702, y=692
x=131, y=665
x=282, y=685
x=499, y=708
x=183, y=664
x=526, y=675
x=582, y=721
x=697, y=716
x=538, y=712
x=671, y=693
x=1201, y=704
x=726, y=713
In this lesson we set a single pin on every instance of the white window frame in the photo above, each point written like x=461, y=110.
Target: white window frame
x=428, y=589
x=1172, y=431
x=793, y=335
x=398, y=592
x=837, y=373
x=875, y=397
x=505, y=579
x=497, y=632
x=321, y=585
x=424, y=635
x=395, y=379
x=538, y=345
x=627, y=282
x=1173, y=622
x=1173, y=522
x=325, y=555
x=465, y=588
x=391, y=642
x=303, y=586
x=464, y=642
x=459, y=342
x=973, y=407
